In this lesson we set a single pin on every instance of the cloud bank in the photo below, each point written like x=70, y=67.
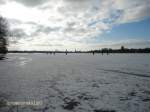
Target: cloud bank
x=49, y=24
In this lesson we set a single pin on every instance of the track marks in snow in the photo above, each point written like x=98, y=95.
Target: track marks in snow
x=124, y=72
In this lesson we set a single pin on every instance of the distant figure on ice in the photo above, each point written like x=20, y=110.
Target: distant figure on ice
x=93, y=52
x=102, y=52
x=107, y=52
x=66, y=52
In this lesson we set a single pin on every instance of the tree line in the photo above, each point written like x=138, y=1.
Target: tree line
x=102, y=51
x=121, y=50
x=3, y=35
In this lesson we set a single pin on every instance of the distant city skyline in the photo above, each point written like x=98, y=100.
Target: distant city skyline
x=77, y=24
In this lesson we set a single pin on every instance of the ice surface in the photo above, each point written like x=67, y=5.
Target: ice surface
x=77, y=82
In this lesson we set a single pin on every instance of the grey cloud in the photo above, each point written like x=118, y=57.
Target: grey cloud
x=71, y=24
x=19, y=22
x=14, y=22
x=70, y=27
x=37, y=28
x=128, y=11
x=143, y=11
x=135, y=10
x=78, y=2
x=31, y=23
x=13, y=41
x=18, y=33
x=48, y=45
x=2, y=2
x=31, y=3
x=75, y=6
x=44, y=29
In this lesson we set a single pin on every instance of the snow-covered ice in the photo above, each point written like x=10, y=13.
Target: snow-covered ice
x=76, y=82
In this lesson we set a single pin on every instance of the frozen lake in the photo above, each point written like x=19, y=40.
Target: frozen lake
x=76, y=82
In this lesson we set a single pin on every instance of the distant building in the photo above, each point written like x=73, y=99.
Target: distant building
x=122, y=48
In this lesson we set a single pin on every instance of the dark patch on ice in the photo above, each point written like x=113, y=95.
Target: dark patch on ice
x=137, y=85
x=124, y=98
x=2, y=58
x=146, y=96
x=101, y=110
x=71, y=105
x=128, y=73
x=44, y=108
x=146, y=65
x=103, y=82
x=132, y=93
x=95, y=85
x=85, y=96
x=146, y=92
x=146, y=100
x=41, y=109
x=3, y=103
x=129, y=96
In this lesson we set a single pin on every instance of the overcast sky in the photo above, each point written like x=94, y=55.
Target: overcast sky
x=77, y=24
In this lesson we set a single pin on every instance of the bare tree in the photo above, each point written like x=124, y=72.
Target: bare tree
x=3, y=34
